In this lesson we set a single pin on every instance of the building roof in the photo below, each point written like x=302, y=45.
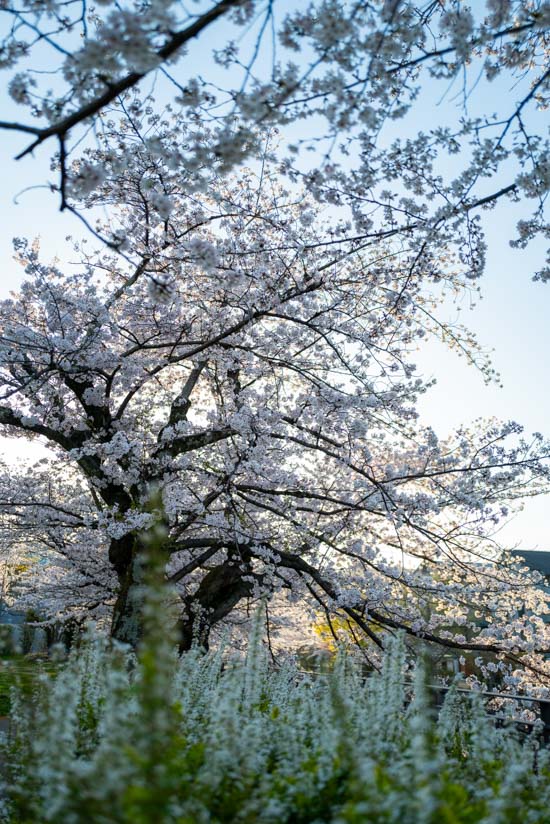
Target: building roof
x=536, y=560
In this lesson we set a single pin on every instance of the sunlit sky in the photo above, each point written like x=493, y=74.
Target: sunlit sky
x=512, y=319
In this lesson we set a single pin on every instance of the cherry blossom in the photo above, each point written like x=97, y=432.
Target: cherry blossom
x=260, y=417
x=332, y=77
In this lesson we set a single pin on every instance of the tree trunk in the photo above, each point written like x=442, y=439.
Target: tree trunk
x=127, y=621
x=219, y=592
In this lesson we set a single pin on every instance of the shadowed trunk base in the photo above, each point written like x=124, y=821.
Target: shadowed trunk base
x=127, y=621
x=218, y=594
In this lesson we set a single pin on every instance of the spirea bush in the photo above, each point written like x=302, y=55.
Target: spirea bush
x=159, y=738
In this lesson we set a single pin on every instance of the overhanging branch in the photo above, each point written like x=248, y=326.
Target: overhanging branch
x=173, y=44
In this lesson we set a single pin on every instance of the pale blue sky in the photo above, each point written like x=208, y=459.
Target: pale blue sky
x=512, y=318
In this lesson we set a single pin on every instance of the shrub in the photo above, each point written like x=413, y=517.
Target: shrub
x=161, y=739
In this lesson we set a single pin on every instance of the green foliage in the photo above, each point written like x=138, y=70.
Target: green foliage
x=119, y=740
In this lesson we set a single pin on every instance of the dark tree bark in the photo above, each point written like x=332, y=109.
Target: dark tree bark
x=127, y=621
x=218, y=594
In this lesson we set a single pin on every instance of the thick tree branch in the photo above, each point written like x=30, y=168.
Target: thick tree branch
x=189, y=443
x=300, y=565
x=10, y=418
x=173, y=44
x=181, y=404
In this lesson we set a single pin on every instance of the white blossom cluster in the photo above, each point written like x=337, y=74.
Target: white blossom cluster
x=206, y=737
x=338, y=74
x=261, y=415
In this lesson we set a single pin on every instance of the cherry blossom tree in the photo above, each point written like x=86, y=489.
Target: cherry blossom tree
x=240, y=382
x=338, y=74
